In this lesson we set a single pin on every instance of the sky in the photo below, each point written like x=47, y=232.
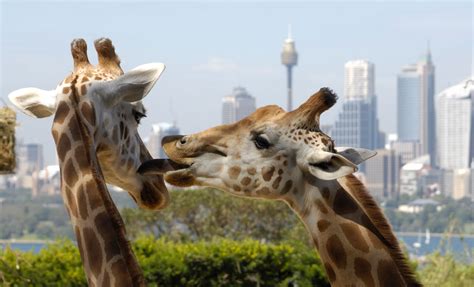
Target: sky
x=211, y=47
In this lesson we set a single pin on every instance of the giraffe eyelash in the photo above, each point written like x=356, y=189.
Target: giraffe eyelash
x=138, y=116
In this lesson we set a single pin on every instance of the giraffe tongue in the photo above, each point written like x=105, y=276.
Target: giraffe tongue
x=159, y=166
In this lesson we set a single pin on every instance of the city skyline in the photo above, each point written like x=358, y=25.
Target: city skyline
x=219, y=60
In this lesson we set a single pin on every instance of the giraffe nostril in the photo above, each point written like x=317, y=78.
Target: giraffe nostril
x=183, y=140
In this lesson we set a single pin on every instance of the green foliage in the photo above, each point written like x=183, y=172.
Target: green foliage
x=34, y=220
x=220, y=262
x=57, y=265
x=436, y=221
x=445, y=271
x=204, y=214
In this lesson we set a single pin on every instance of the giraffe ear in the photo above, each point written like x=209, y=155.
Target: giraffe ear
x=327, y=165
x=356, y=155
x=131, y=86
x=34, y=102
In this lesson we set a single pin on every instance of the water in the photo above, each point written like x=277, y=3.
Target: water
x=417, y=245
x=34, y=246
x=461, y=246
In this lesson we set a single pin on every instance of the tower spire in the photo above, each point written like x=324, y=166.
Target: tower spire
x=428, y=52
x=289, y=58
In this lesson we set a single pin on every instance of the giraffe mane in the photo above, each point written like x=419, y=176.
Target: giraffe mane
x=359, y=191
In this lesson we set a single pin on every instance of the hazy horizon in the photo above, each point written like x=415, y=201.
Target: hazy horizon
x=209, y=48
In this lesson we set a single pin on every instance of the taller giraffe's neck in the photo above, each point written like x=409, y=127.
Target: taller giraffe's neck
x=351, y=234
x=105, y=251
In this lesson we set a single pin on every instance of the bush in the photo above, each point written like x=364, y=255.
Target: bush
x=446, y=271
x=195, y=215
x=220, y=262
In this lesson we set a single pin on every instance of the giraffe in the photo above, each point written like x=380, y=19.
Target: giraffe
x=96, y=111
x=280, y=155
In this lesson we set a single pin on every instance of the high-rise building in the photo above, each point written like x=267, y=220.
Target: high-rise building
x=158, y=132
x=415, y=105
x=359, y=79
x=289, y=58
x=408, y=150
x=411, y=174
x=455, y=125
x=381, y=174
x=357, y=124
x=237, y=106
x=30, y=162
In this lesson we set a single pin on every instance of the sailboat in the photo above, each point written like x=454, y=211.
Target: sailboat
x=417, y=244
x=427, y=236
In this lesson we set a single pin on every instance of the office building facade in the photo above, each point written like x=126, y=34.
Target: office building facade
x=237, y=106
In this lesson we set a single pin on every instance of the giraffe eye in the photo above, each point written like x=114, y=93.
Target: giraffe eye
x=138, y=116
x=261, y=142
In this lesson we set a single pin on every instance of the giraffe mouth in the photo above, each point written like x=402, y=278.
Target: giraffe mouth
x=161, y=166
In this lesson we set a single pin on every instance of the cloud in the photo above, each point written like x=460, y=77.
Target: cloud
x=217, y=65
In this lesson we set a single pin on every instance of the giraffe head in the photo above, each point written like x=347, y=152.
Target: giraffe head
x=267, y=154
x=100, y=105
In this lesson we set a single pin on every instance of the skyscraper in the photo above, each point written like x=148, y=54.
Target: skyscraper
x=455, y=125
x=357, y=124
x=415, y=105
x=237, y=106
x=359, y=79
x=382, y=174
x=289, y=58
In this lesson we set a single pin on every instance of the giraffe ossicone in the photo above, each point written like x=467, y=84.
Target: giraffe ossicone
x=281, y=155
x=96, y=111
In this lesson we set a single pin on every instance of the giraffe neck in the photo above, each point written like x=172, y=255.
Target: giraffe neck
x=351, y=235
x=105, y=251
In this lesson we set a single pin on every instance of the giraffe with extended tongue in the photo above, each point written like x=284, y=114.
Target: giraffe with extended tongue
x=282, y=155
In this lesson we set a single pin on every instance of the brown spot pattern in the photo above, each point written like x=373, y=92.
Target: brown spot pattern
x=82, y=202
x=336, y=252
x=83, y=90
x=320, y=205
x=388, y=274
x=61, y=113
x=75, y=131
x=122, y=277
x=330, y=272
x=106, y=280
x=81, y=158
x=276, y=183
x=95, y=200
x=354, y=236
x=234, y=172
x=323, y=225
x=63, y=146
x=287, y=187
x=344, y=203
x=71, y=201
x=325, y=192
x=245, y=181
x=363, y=269
x=94, y=253
x=66, y=90
x=251, y=171
x=69, y=173
x=88, y=113
x=103, y=222
x=267, y=173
